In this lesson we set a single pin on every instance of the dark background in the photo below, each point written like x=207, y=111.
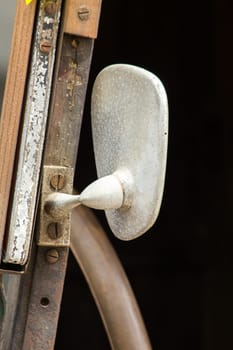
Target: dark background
x=182, y=269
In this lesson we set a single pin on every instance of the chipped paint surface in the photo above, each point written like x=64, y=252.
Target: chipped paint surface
x=32, y=140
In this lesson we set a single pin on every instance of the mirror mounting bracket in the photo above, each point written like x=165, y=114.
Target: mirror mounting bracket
x=55, y=231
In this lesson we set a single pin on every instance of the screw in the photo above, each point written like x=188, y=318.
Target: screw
x=52, y=256
x=54, y=230
x=45, y=46
x=57, y=182
x=50, y=8
x=83, y=13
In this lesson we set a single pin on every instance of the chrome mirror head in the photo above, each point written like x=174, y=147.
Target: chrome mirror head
x=130, y=133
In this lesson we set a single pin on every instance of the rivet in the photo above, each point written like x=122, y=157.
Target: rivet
x=45, y=46
x=83, y=13
x=54, y=230
x=57, y=182
x=52, y=256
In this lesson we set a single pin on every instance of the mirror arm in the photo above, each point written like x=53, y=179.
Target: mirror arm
x=109, y=192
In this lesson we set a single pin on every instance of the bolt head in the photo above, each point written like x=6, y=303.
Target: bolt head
x=83, y=13
x=54, y=230
x=57, y=182
x=45, y=47
x=52, y=256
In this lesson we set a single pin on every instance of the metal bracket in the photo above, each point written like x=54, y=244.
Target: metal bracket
x=55, y=232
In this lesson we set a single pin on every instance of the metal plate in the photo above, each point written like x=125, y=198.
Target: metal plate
x=55, y=232
x=130, y=130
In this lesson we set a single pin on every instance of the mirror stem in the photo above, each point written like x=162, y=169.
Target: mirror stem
x=109, y=192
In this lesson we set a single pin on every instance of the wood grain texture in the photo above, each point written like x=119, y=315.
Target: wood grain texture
x=13, y=101
x=76, y=23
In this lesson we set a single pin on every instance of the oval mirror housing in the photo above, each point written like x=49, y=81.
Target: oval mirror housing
x=130, y=133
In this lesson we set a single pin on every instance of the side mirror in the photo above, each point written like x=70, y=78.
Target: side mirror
x=130, y=132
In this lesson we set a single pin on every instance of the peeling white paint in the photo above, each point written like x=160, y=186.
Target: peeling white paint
x=30, y=155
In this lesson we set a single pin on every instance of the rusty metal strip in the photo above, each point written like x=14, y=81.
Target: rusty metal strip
x=50, y=264
x=45, y=299
x=69, y=95
x=33, y=133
